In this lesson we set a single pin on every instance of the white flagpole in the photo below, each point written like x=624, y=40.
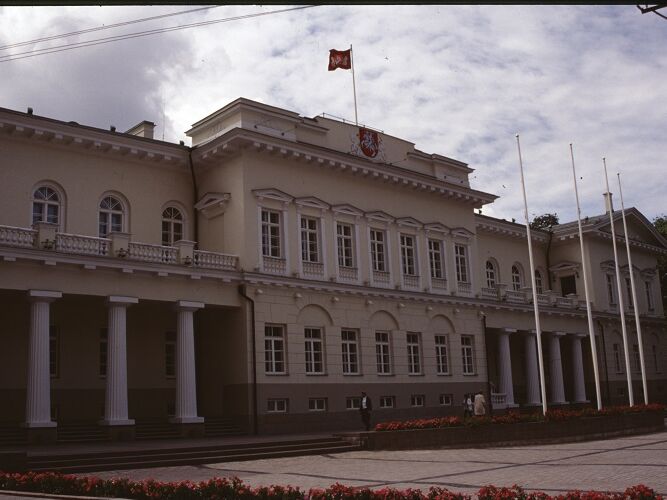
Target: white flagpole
x=621, y=305
x=591, y=331
x=354, y=88
x=634, y=295
x=538, y=330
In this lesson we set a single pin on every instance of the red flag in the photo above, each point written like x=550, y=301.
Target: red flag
x=340, y=59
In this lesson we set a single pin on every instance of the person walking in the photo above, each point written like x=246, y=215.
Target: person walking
x=480, y=404
x=467, y=405
x=365, y=409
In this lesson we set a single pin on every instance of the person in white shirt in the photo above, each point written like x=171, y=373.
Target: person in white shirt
x=365, y=409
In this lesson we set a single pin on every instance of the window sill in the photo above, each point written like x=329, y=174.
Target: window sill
x=444, y=374
x=416, y=374
x=469, y=374
x=276, y=374
x=385, y=374
x=352, y=374
x=317, y=374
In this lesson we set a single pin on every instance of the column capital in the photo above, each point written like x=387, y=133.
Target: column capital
x=186, y=305
x=43, y=295
x=121, y=301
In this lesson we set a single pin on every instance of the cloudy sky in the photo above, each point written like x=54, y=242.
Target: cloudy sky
x=460, y=81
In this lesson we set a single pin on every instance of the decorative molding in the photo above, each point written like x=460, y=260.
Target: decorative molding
x=213, y=204
x=273, y=194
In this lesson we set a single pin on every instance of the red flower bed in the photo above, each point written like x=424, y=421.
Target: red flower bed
x=218, y=489
x=514, y=417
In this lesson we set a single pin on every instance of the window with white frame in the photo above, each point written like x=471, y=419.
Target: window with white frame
x=387, y=402
x=446, y=399
x=414, y=354
x=310, y=246
x=277, y=405
x=517, y=278
x=408, y=255
x=317, y=404
x=45, y=205
x=350, y=351
x=170, y=354
x=610, y=288
x=314, y=351
x=616, y=349
x=352, y=402
x=274, y=349
x=104, y=346
x=636, y=358
x=345, y=243
x=649, y=295
x=436, y=259
x=172, y=226
x=461, y=254
x=378, y=250
x=417, y=400
x=539, y=286
x=467, y=354
x=628, y=289
x=111, y=216
x=271, y=234
x=54, y=351
x=382, y=353
x=490, y=274
x=441, y=355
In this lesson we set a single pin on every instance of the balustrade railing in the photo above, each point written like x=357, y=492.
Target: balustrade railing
x=313, y=269
x=464, y=288
x=348, y=273
x=518, y=296
x=498, y=400
x=490, y=293
x=410, y=281
x=214, y=260
x=382, y=278
x=17, y=236
x=82, y=245
x=274, y=265
x=439, y=283
x=152, y=253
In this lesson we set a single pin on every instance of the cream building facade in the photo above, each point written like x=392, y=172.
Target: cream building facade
x=268, y=274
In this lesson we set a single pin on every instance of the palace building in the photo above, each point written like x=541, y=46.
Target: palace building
x=265, y=276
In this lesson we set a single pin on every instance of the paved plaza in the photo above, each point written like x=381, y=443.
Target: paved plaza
x=610, y=465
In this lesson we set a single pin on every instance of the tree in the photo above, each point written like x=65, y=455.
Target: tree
x=660, y=223
x=544, y=221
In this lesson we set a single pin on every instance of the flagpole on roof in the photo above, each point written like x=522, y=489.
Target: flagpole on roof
x=621, y=305
x=354, y=88
x=634, y=295
x=591, y=330
x=538, y=329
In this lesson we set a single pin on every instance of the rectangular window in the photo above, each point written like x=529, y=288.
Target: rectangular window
x=310, y=240
x=414, y=357
x=274, y=349
x=276, y=406
x=345, y=243
x=317, y=404
x=435, y=259
x=461, y=264
x=170, y=354
x=610, y=289
x=617, y=358
x=54, y=351
x=378, y=253
x=628, y=287
x=417, y=400
x=104, y=345
x=441, y=355
x=387, y=402
x=350, y=351
x=353, y=403
x=382, y=353
x=408, y=255
x=649, y=295
x=446, y=399
x=636, y=358
x=314, y=351
x=467, y=358
x=271, y=246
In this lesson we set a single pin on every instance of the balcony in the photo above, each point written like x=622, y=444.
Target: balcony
x=82, y=245
x=411, y=281
x=152, y=253
x=17, y=237
x=313, y=269
x=439, y=284
x=348, y=274
x=464, y=288
x=516, y=296
x=490, y=293
x=274, y=265
x=381, y=278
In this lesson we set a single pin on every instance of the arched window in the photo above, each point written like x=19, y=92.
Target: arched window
x=111, y=216
x=539, y=288
x=517, y=278
x=490, y=274
x=45, y=205
x=172, y=226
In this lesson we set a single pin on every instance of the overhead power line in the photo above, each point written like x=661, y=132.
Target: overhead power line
x=105, y=27
x=100, y=41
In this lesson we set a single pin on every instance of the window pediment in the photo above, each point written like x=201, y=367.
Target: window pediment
x=347, y=210
x=462, y=233
x=379, y=216
x=312, y=202
x=565, y=266
x=213, y=204
x=436, y=227
x=409, y=222
x=272, y=194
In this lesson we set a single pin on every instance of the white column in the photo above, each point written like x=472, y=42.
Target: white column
x=38, y=393
x=186, y=386
x=115, y=408
x=578, y=367
x=556, y=369
x=532, y=373
x=505, y=366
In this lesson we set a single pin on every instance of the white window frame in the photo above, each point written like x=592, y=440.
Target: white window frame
x=267, y=248
x=436, y=258
x=462, y=263
x=314, y=350
x=277, y=405
x=468, y=355
x=352, y=403
x=446, y=399
x=383, y=352
x=350, y=357
x=113, y=218
x=317, y=404
x=442, y=354
x=173, y=225
x=413, y=348
x=342, y=250
x=378, y=248
x=417, y=400
x=46, y=201
x=387, y=402
x=490, y=274
x=409, y=261
x=311, y=241
x=274, y=344
x=539, y=284
x=517, y=277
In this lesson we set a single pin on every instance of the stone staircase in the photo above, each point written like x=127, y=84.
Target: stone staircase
x=155, y=429
x=80, y=432
x=220, y=426
x=11, y=434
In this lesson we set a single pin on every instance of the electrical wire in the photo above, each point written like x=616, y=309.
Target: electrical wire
x=105, y=27
x=100, y=41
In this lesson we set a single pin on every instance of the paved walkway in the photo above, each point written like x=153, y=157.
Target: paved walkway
x=610, y=465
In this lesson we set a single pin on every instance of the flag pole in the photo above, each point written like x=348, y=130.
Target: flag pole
x=538, y=329
x=621, y=305
x=591, y=330
x=634, y=295
x=354, y=87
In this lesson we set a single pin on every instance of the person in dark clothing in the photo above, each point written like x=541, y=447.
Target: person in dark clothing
x=365, y=409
